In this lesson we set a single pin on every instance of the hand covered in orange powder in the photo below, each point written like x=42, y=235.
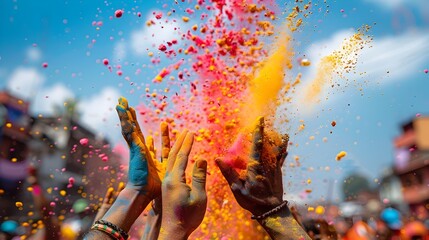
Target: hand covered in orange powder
x=183, y=207
x=144, y=173
x=261, y=189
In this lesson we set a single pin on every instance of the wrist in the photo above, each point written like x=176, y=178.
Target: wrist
x=282, y=225
x=270, y=205
x=171, y=231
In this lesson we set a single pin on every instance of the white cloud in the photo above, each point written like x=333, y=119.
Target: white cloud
x=25, y=82
x=398, y=3
x=120, y=50
x=151, y=36
x=325, y=47
x=98, y=113
x=34, y=54
x=400, y=55
x=47, y=98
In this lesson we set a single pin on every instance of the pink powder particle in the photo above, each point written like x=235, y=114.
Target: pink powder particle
x=139, y=14
x=106, y=61
x=71, y=180
x=162, y=47
x=158, y=15
x=118, y=13
x=45, y=64
x=418, y=115
x=426, y=71
x=189, y=11
x=52, y=204
x=119, y=73
x=84, y=142
x=105, y=158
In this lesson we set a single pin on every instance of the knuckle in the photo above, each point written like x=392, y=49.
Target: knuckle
x=182, y=155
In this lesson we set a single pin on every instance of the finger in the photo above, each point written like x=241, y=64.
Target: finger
x=165, y=141
x=151, y=146
x=108, y=198
x=199, y=174
x=126, y=125
x=283, y=150
x=183, y=156
x=228, y=173
x=256, y=153
x=176, y=147
x=121, y=187
x=136, y=123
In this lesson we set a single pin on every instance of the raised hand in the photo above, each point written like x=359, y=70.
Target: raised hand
x=108, y=200
x=154, y=217
x=144, y=180
x=144, y=173
x=183, y=207
x=261, y=189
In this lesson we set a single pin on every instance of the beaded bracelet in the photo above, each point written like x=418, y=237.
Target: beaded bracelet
x=111, y=229
x=274, y=210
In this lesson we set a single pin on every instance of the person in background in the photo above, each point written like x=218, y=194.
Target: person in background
x=8, y=230
x=393, y=220
x=319, y=229
x=415, y=230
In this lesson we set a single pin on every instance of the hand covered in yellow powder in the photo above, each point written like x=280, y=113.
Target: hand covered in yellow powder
x=183, y=207
x=153, y=221
x=144, y=173
x=261, y=189
x=108, y=200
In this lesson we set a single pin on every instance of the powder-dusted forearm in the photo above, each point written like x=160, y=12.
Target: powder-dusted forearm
x=282, y=225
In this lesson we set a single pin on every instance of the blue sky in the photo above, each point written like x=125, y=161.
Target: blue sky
x=61, y=33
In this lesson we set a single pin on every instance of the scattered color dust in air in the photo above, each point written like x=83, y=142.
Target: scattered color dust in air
x=232, y=70
x=340, y=62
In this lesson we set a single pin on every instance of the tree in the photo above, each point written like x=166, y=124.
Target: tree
x=353, y=185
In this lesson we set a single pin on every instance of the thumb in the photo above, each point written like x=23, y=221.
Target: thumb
x=199, y=175
x=228, y=172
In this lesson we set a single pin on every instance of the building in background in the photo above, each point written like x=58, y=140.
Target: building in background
x=14, y=136
x=412, y=165
x=68, y=169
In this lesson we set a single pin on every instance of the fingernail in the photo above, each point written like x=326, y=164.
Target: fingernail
x=202, y=164
x=217, y=160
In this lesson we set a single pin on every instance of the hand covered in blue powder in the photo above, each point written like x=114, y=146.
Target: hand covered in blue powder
x=145, y=173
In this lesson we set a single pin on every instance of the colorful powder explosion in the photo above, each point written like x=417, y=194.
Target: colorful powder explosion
x=233, y=78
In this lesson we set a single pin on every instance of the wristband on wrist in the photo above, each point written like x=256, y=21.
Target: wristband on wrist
x=111, y=229
x=274, y=210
